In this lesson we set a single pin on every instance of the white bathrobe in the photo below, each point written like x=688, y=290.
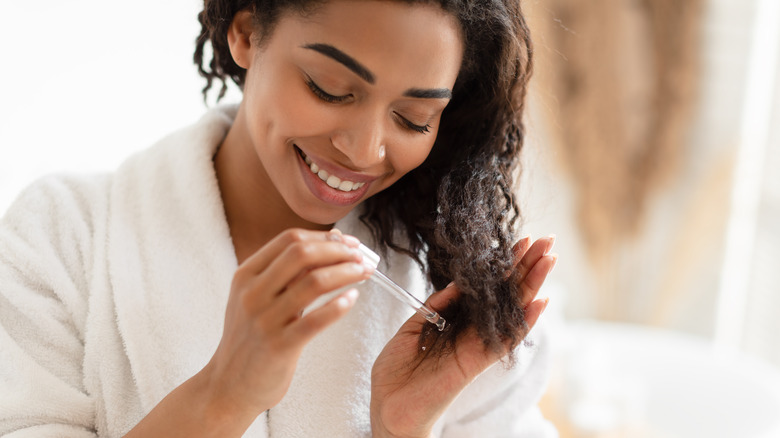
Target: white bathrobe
x=113, y=289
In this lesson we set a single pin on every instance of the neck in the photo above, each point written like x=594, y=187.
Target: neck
x=255, y=211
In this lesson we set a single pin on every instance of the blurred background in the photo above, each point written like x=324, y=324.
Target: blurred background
x=653, y=154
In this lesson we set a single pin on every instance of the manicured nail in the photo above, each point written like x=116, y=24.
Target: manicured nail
x=546, y=302
x=550, y=243
x=350, y=240
x=356, y=255
x=334, y=235
x=361, y=267
x=554, y=262
x=347, y=299
x=368, y=267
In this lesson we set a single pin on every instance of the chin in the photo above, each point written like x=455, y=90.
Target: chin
x=323, y=216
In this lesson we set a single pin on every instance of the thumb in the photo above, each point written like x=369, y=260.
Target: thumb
x=441, y=299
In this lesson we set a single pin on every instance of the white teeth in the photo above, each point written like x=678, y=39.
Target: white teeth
x=332, y=180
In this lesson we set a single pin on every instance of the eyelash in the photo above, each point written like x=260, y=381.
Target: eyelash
x=422, y=129
x=319, y=92
x=327, y=97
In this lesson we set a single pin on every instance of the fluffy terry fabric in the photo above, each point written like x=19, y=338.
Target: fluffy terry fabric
x=113, y=290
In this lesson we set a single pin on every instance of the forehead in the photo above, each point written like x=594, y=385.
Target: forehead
x=382, y=35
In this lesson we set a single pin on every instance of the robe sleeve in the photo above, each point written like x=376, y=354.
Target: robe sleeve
x=45, y=257
x=511, y=408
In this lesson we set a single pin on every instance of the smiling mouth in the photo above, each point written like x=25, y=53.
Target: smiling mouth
x=331, y=180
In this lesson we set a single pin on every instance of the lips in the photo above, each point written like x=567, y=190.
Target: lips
x=345, y=189
x=331, y=180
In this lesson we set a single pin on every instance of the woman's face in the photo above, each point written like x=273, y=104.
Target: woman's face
x=343, y=102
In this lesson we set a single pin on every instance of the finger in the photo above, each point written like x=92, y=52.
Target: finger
x=519, y=249
x=539, y=248
x=261, y=259
x=304, y=329
x=298, y=259
x=300, y=294
x=532, y=283
x=532, y=312
x=441, y=299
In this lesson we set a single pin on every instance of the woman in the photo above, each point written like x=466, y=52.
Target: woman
x=167, y=299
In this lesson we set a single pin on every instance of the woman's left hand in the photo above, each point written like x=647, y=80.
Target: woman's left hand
x=407, y=396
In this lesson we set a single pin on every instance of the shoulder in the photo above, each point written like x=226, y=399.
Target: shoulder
x=55, y=202
x=48, y=247
x=50, y=228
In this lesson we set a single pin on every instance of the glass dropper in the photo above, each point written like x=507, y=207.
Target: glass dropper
x=397, y=291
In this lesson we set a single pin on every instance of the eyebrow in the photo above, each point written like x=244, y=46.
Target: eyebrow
x=360, y=70
x=348, y=61
x=430, y=93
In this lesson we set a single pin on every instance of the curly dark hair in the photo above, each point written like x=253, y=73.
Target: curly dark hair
x=457, y=210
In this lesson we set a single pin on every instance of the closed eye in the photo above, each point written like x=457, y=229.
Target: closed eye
x=323, y=95
x=422, y=129
x=330, y=98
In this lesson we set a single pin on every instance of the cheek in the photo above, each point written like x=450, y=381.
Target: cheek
x=295, y=113
x=411, y=156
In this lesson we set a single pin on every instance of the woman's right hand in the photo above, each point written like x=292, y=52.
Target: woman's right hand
x=264, y=330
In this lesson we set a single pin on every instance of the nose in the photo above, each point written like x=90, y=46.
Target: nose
x=362, y=142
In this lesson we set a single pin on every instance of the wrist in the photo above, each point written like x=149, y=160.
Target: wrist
x=408, y=428
x=384, y=433
x=219, y=410
x=192, y=410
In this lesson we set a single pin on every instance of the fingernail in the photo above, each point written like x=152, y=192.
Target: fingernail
x=521, y=245
x=358, y=267
x=334, y=235
x=554, y=262
x=347, y=299
x=350, y=240
x=550, y=243
x=452, y=283
x=368, y=268
x=356, y=254
x=546, y=302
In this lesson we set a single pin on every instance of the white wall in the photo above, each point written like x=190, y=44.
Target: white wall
x=84, y=83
